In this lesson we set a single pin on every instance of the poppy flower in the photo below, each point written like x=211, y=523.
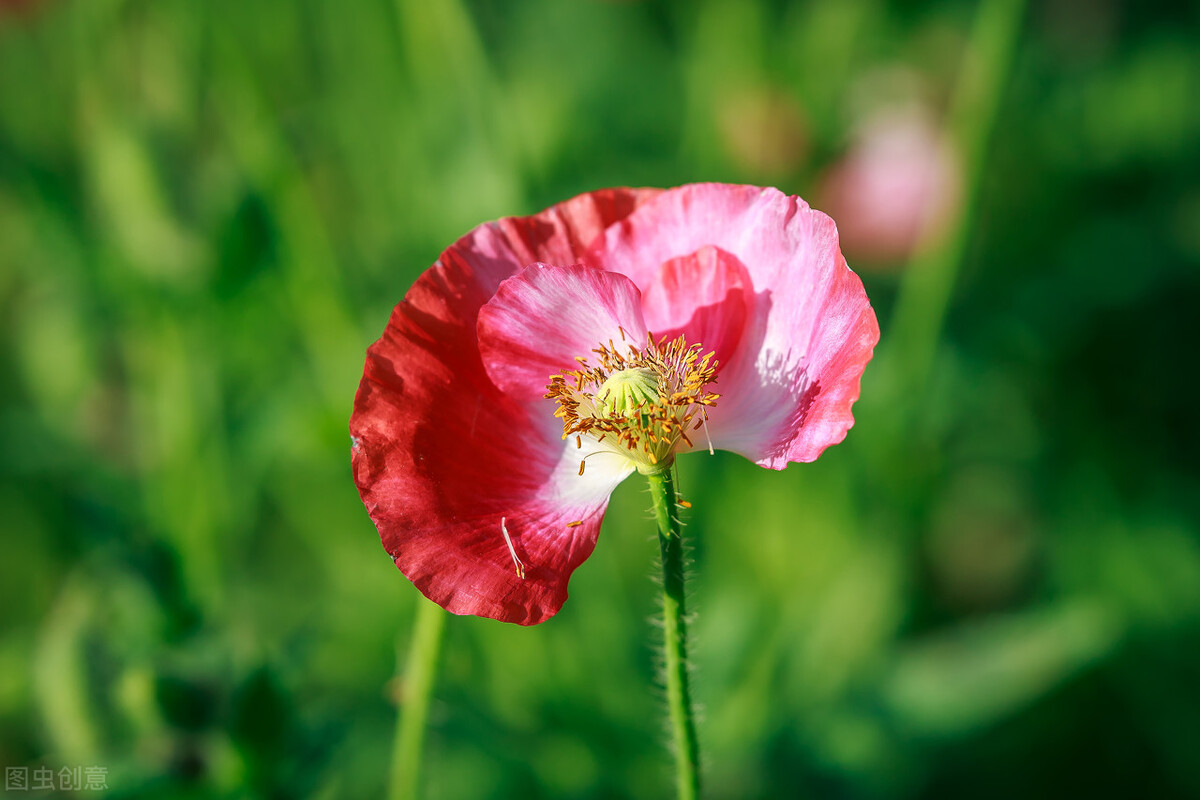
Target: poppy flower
x=543, y=359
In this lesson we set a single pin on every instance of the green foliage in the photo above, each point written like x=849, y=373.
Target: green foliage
x=207, y=211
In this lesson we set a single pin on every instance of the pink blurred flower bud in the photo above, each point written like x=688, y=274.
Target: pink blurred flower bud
x=897, y=185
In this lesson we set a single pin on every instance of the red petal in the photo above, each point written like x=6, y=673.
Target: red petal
x=441, y=456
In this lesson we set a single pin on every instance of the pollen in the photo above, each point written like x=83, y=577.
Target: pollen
x=637, y=402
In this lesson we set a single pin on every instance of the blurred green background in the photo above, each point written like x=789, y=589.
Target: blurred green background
x=990, y=590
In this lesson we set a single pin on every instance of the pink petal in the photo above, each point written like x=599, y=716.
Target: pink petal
x=441, y=456
x=541, y=319
x=705, y=296
x=787, y=392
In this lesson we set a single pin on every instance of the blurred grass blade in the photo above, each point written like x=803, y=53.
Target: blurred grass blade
x=921, y=306
x=60, y=675
x=415, y=690
x=958, y=682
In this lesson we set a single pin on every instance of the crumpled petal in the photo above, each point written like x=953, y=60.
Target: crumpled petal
x=442, y=457
x=786, y=393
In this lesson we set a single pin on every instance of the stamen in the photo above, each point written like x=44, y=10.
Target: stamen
x=575, y=524
x=512, y=550
x=645, y=398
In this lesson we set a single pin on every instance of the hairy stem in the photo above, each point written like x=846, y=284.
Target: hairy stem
x=420, y=673
x=679, y=701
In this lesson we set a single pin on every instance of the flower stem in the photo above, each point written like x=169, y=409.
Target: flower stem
x=420, y=672
x=683, y=724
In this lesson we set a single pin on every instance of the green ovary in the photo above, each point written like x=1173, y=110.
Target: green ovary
x=625, y=391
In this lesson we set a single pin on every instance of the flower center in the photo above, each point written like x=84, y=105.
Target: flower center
x=625, y=391
x=640, y=404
